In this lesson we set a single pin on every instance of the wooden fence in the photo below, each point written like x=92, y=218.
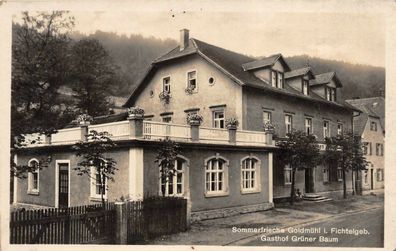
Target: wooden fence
x=94, y=224
x=155, y=217
x=74, y=225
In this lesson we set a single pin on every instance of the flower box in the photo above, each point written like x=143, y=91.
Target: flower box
x=232, y=123
x=135, y=112
x=194, y=119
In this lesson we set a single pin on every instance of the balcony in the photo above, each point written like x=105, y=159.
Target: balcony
x=134, y=129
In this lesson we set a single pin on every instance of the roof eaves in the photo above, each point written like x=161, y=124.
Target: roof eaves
x=134, y=91
x=281, y=91
x=174, y=57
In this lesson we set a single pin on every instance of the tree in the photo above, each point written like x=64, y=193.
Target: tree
x=344, y=152
x=93, y=154
x=166, y=158
x=300, y=152
x=92, y=76
x=39, y=67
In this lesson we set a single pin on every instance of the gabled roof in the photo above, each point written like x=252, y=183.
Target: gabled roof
x=228, y=62
x=374, y=107
x=177, y=53
x=325, y=78
x=265, y=62
x=299, y=72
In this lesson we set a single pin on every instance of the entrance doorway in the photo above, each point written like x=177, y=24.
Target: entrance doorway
x=309, y=180
x=63, y=184
x=372, y=179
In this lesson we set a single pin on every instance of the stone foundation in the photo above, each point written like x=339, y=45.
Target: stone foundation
x=230, y=211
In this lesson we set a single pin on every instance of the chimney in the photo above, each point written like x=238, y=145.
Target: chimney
x=184, y=37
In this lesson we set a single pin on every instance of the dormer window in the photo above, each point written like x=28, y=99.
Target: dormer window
x=166, y=85
x=280, y=80
x=277, y=79
x=330, y=94
x=305, y=85
x=273, y=78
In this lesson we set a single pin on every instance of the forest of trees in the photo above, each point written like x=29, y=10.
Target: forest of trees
x=358, y=80
x=133, y=54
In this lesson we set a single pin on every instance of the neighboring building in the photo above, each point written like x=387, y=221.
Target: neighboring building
x=221, y=170
x=370, y=126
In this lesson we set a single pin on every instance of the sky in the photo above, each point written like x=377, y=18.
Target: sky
x=351, y=37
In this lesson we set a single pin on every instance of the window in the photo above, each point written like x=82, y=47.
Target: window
x=216, y=176
x=280, y=80
x=340, y=128
x=267, y=117
x=33, y=177
x=326, y=129
x=365, y=177
x=273, y=78
x=378, y=149
x=287, y=173
x=370, y=148
x=373, y=126
x=365, y=148
x=333, y=94
x=288, y=123
x=218, y=119
x=326, y=174
x=382, y=149
x=339, y=174
x=380, y=175
x=174, y=186
x=330, y=94
x=211, y=81
x=305, y=87
x=167, y=118
x=250, y=168
x=166, y=85
x=96, y=188
x=192, y=80
x=308, y=126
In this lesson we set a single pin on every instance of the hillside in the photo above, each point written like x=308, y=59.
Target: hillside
x=133, y=54
x=358, y=80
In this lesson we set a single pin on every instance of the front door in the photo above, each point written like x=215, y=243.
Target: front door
x=63, y=185
x=309, y=180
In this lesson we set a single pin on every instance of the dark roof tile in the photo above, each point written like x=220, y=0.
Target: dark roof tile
x=231, y=64
x=297, y=72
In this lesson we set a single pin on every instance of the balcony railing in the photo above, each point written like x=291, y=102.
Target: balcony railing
x=66, y=136
x=213, y=135
x=153, y=131
x=159, y=130
x=249, y=137
x=117, y=130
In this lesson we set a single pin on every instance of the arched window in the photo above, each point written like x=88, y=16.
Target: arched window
x=250, y=174
x=34, y=177
x=175, y=185
x=216, y=176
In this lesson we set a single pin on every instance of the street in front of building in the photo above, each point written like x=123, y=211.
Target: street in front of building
x=348, y=230
x=343, y=217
